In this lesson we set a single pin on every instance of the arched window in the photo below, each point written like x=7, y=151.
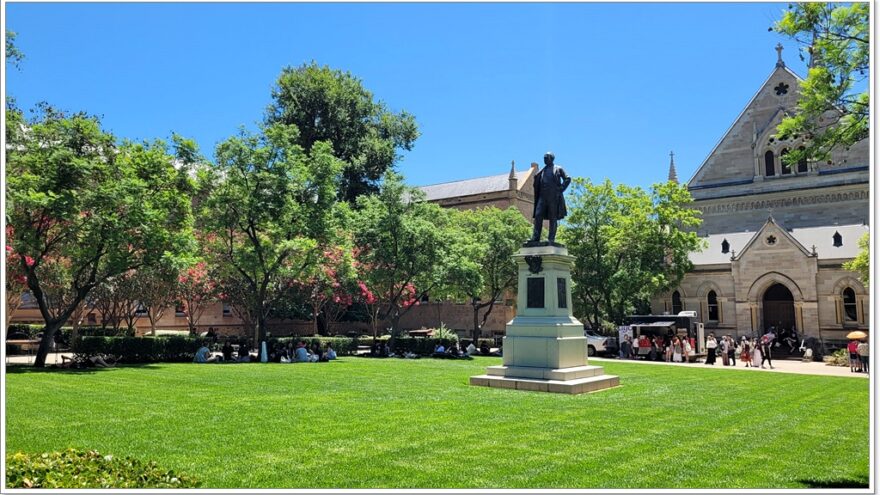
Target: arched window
x=676, y=303
x=802, y=163
x=849, y=304
x=786, y=168
x=838, y=239
x=768, y=164
x=725, y=246
x=712, y=304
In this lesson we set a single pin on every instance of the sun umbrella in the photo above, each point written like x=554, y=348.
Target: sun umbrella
x=858, y=334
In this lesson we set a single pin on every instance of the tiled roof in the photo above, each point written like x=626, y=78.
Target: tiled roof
x=468, y=187
x=821, y=237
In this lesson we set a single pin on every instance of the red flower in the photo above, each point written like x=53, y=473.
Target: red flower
x=29, y=261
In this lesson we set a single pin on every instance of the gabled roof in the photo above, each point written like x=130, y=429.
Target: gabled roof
x=770, y=221
x=741, y=115
x=468, y=187
x=821, y=237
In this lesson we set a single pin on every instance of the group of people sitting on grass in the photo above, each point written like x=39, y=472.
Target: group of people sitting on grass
x=277, y=353
x=453, y=351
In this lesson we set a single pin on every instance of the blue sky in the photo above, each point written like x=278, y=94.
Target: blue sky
x=610, y=88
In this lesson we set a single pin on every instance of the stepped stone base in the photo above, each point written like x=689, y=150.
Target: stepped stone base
x=576, y=380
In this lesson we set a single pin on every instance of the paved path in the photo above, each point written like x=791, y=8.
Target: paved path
x=780, y=366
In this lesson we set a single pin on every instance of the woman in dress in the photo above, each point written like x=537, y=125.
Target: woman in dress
x=676, y=350
x=711, y=345
x=746, y=352
x=757, y=355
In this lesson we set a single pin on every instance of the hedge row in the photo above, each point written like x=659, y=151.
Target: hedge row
x=87, y=330
x=77, y=469
x=141, y=349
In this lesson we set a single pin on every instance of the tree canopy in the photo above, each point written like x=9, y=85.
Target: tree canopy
x=333, y=106
x=496, y=235
x=628, y=245
x=86, y=209
x=269, y=210
x=832, y=110
x=407, y=248
x=861, y=264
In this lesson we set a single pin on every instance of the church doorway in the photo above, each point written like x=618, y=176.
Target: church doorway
x=778, y=308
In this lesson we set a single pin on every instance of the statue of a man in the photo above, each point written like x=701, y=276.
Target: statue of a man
x=550, y=184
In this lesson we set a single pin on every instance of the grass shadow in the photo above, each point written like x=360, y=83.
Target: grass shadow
x=29, y=368
x=859, y=482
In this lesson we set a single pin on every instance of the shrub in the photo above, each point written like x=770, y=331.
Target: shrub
x=140, y=349
x=77, y=469
x=422, y=346
x=839, y=358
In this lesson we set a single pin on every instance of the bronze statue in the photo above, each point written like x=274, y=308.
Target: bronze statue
x=550, y=184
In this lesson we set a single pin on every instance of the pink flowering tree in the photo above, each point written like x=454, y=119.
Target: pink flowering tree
x=16, y=280
x=270, y=205
x=328, y=286
x=407, y=248
x=87, y=208
x=196, y=291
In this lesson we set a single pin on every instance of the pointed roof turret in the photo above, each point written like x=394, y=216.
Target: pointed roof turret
x=512, y=170
x=673, y=177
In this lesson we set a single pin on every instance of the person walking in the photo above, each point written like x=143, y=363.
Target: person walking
x=864, y=354
x=732, y=350
x=746, y=352
x=855, y=361
x=677, y=349
x=766, y=343
x=725, y=350
x=756, y=353
x=711, y=345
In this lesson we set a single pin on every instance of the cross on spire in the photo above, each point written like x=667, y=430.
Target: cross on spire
x=672, y=175
x=779, y=62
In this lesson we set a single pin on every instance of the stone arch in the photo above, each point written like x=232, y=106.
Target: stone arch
x=706, y=286
x=849, y=281
x=764, y=282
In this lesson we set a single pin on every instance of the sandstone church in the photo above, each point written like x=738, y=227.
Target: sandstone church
x=776, y=235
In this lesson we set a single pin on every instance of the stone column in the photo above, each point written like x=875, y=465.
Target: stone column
x=545, y=348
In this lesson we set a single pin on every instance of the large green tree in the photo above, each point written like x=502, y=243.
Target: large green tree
x=833, y=107
x=86, y=209
x=406, y=248
x=268, y=214
x=496, y=236
x=334, y=107
x=861, y=264
x=628, y=245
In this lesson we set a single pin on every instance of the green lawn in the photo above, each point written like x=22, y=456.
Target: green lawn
x=411, y=424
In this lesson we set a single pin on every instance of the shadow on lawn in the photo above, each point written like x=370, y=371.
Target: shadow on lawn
x=859, y=482
x=27, y=368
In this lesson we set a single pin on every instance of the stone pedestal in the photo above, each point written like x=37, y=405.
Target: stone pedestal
x=544, y=346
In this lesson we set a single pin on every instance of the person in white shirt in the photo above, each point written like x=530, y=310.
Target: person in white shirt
x=330, y=354
x=711, y=345
x=471, y=349
x=203, y=355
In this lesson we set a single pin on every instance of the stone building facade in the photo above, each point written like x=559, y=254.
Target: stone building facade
x=776, y=236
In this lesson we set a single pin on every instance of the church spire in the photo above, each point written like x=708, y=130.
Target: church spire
x=779, y=62
x=672, y=175
x=512, y=182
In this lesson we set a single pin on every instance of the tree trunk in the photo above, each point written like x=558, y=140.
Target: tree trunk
x=476, y=324
x=46, y=344
x=261, y=336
